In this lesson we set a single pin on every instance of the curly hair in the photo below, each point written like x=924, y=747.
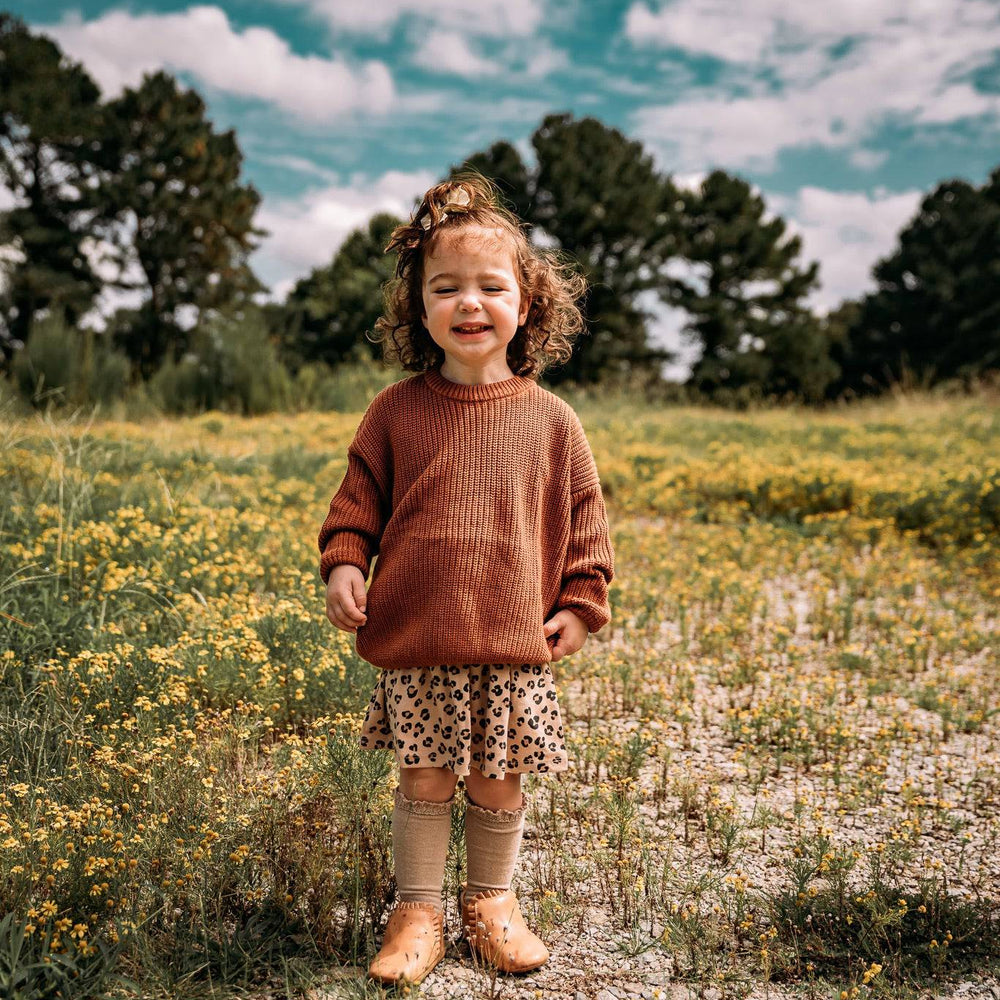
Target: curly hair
x=544, y=277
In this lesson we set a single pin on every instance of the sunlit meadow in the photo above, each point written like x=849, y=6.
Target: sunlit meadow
x=785, y=761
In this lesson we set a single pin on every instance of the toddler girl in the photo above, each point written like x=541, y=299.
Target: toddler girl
x=477, y=490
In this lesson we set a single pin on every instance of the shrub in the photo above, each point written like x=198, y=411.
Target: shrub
x=232, y=365
x=44, y=368
x=62, y=365
x=348, y=388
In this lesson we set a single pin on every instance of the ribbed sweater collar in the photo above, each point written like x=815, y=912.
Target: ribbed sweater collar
x=476, y=393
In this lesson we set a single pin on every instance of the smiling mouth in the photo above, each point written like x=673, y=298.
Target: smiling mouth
x=480, y=328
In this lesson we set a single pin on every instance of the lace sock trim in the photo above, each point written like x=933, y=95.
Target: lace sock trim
x=420, y=807
x=498, y=817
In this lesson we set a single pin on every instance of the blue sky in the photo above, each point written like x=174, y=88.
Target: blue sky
x=842, y=115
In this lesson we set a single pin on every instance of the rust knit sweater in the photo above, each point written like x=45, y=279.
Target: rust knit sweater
x=484, y=507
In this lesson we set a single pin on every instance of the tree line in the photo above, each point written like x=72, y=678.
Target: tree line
x=141, y=194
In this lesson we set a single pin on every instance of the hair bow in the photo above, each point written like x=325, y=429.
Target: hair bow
x=458, y=202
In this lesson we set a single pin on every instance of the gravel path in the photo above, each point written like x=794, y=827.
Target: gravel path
x=592, y=960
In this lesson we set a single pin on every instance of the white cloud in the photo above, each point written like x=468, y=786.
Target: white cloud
x=751, y=30
x=541, y=60
x=597, y=81
x=746, y=133
x=689, y=182
x=847, y=232
x=868, y=159
x=666, y=329
x=901, y=60
x=8, y=199
x=445, y=50
x=420, y=102
x=487, y=18
x=442, y=51
x=299, y=165
x=118, y=47
x=305, y=232
x=682, y=25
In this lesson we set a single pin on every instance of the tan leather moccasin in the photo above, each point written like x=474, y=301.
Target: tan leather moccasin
x=495, y=929
x=412, y=945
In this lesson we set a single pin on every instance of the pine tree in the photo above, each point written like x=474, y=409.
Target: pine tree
x=328, y=314
x=185, y=220
x=744, y=292
x=597, y=197
x=49, y=162
x=936, y=312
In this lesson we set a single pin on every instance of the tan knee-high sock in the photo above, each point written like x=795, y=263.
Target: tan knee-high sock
x=420, y=834
x=492, y=842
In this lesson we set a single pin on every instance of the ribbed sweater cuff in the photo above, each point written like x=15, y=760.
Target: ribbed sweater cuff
x=343, y=551
x=575, y=599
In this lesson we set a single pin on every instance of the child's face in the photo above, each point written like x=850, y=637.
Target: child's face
x=472, y=301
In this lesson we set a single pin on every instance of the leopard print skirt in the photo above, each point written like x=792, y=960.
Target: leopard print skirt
x=498, y=718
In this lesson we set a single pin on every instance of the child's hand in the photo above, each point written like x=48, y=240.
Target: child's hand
x=572, y=631
x=346, y=598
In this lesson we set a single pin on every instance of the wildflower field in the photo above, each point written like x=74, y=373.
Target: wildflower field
x=785, y=766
